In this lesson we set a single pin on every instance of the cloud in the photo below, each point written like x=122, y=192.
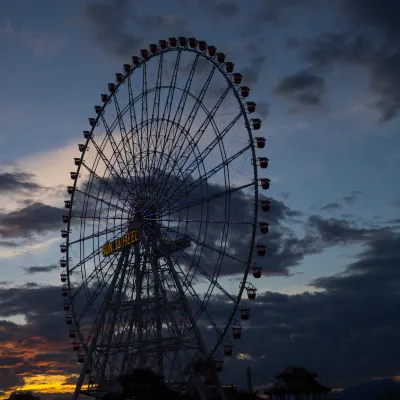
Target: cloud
x=304, y=88
x=35, y=218
x=331, y=206
x=17, y=181
x=118, y=26
x=334, y=230
x=370, y=41
x=330, y=331
x=36, y=270
x=352, y=197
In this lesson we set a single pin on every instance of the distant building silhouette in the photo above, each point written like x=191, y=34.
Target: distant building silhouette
x=24, y=395
x=298, y=383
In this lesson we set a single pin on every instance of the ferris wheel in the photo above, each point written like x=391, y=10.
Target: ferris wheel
x=162, y=226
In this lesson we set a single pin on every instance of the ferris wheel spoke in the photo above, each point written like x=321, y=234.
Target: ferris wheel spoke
x=123, y=133
x=110, y=326
x=145, y=117
x=100, y=200
x=93, y=274
x=132, y=111
x=179, y=111
x=189, y=204
x=199, y=133
x=105, y=183
x=202, y=304
x=155, y=116
x=205, y=221
x=203, y=178
x=95, y=252
x=203, y=154
x=99, y=322
x=97, y=234
x=118, y=155
x=168, y=105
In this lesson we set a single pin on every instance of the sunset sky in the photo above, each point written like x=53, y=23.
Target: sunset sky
x=325, y=75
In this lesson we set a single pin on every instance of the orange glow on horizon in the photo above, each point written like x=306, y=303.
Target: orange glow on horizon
x=45, y=384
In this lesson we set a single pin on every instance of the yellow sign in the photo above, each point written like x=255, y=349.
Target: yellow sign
x=127, y=240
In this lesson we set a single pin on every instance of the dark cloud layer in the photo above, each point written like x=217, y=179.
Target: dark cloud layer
x=370, y=41
x=35, y=218
x=36, y=269
x=345, y=332
x=18, y=181
x=305, y=88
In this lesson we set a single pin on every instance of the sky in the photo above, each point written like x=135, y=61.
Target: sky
x=325, y=78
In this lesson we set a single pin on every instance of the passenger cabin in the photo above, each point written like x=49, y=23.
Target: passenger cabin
x=227, y=350
x=212, y=50
x=221, y=57
x=261, y=249
x=264, y=161
x=229, y=66
x=64, y=291
x=244, y=91
x=135, y=60
x=98, y=109
x=144, y=53
x=244, y=313
x=182, y=41
x=256, y=124
x=202, y=45
x=237, y=78
x=236, y=332
x=219, y=365
x=251, y=293
x=257, y=271
x=260, y=142
x=265, y=183
x=265, y=205
x=172, y=42
x=264, y=227
x=153, y=48
x=163, y=44
x=87, y=134
x=251, y=106
x=192, y=43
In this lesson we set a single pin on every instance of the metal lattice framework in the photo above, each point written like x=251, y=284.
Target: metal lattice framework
x=164, y=220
